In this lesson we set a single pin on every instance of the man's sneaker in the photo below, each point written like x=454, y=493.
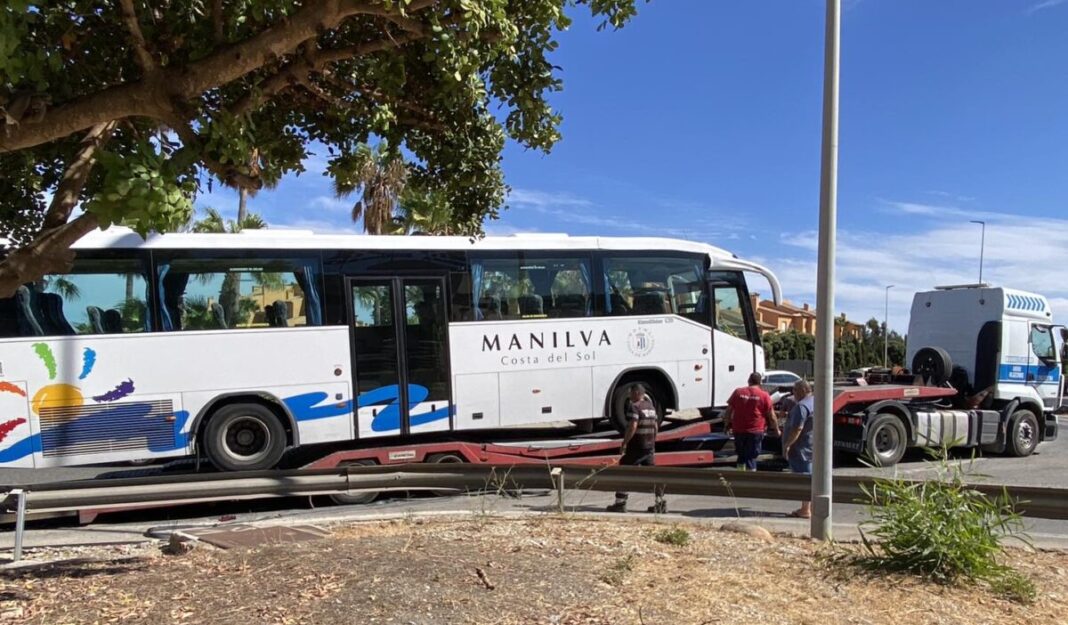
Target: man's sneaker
x=659, y=507
x=619, y=506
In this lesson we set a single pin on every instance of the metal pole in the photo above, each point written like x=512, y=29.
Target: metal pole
x=886, y=326
x=823, y=431
x=20, y=523
x=982, y=247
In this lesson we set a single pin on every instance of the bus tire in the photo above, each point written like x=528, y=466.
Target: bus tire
x=444, y=459
x=244, y=437
x=1023, y=433
x=356, y=498
x=619, y=402
x=886, y=440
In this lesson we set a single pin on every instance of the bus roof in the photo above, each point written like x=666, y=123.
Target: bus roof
x=124, y=238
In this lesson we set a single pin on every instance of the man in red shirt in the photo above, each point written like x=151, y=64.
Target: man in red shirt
x=749, y=412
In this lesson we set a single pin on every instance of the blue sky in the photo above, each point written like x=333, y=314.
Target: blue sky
x=701, y=120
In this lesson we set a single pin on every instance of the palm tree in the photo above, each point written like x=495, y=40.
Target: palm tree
x=423, y=212
x=230, y=291
x=379, y=174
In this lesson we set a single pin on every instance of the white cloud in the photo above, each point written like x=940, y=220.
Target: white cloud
x=333, y=204
x=530, y=198
x=1022, y=252
x=1046, y=4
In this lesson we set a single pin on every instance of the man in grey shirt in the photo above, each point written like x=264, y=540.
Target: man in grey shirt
x=797, y=438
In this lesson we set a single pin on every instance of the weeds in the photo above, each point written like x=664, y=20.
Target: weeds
x=942, y=530
x=676, y=536
x=616, y=573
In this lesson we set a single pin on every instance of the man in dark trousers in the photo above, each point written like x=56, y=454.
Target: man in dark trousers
x=639, y=442
x=749, y=413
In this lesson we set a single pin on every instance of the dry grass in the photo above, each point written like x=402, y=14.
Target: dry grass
x=542, y=571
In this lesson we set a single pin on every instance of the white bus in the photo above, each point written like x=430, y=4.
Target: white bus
x=240, y=346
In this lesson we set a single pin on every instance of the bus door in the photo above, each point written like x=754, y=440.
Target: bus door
x=733, y=349
x=400, y=355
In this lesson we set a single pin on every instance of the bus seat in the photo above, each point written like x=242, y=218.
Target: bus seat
x=96, y=319
x=28, y=323
x=51, y=307
x=461, y=307
x=281, y=319
x=650, y=302
x=217, y=315
x=531, y=305
x=570, y=305
x=9, y=317
x=490, y=307
x=619, y=304
x=112, y=321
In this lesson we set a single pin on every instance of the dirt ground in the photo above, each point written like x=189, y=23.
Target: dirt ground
x=541, y=571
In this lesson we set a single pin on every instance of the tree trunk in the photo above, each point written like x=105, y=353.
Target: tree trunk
x=129, y=286
x=242, y=207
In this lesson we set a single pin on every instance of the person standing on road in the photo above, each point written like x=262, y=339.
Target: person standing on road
x=797, y=439
x=639, y=444
x=749, y=414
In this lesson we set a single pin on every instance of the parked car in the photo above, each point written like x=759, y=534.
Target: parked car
x=779, y=383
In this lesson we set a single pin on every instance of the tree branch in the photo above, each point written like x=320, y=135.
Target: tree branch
x=129, y=17
x=70, y=185
x=230, y=175
x=48, y=253
x=150, y=96
x=217, y=21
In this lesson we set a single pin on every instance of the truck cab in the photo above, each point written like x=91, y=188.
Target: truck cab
x=998, y=347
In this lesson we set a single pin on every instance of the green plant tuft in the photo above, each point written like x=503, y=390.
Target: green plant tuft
x=942, y=530
x=675, y=536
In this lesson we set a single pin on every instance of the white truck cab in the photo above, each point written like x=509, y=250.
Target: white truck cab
x=994, y=344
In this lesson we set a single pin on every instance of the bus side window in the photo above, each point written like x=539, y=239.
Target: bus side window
x=98, y=296
x=219, y=294
x=646, y=285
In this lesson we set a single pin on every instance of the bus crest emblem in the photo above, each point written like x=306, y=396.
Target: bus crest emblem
x=640, y=342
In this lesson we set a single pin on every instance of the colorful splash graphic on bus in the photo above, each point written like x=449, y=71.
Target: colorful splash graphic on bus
x=77, y=417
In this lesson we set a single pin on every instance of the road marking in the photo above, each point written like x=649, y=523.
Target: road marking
x=928, y=468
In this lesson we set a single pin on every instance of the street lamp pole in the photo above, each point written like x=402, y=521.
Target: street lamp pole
x=886, y=325
x=824, y=369
x=982, y=247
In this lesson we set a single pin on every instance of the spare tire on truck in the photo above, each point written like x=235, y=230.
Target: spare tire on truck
x=933, y=364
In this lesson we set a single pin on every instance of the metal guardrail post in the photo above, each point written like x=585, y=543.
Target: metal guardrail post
x=557, y=475
x=20, y=523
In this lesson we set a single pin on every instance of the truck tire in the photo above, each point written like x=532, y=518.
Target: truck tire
x=244, y=437
x=619, y=400
x=445, y=459
x=886, y=440
x=933, y=364
x=356, y=498
x=1023, y=433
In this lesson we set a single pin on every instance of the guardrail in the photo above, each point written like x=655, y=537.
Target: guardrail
x=1049, y=503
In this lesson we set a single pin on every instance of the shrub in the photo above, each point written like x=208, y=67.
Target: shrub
x=675, y=536
x=944, y=531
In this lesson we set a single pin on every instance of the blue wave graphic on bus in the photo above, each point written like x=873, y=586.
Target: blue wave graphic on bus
x=311, y=406
x=113, y=424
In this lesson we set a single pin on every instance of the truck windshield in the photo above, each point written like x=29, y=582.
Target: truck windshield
x=1042, y=343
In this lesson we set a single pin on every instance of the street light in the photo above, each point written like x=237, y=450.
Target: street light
x=886, y=325
x=982, y=248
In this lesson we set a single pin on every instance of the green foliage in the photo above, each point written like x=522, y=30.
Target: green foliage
x=444, y=86
x=942, y=530
x=865, y=350
x=676, y=536
x=616, y=573
x=140, y=190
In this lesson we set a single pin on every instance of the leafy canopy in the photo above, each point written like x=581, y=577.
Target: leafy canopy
x=130, y=107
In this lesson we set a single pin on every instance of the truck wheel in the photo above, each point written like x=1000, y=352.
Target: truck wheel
x=1023, y=435
x=356, y=498
x=933, y=364
x=244, y=437
x=619, y=401
x=886, y=440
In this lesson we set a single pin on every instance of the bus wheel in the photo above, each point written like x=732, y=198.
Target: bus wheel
x=444, y=459
x=356, y=498
x=1023, y=436
x=619, y=402
x=886, y=441
x=244, y=437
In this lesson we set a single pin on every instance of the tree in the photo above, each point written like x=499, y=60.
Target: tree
x=424, y=212
x=128, y=108
x=230, y=299
x=379, y=174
